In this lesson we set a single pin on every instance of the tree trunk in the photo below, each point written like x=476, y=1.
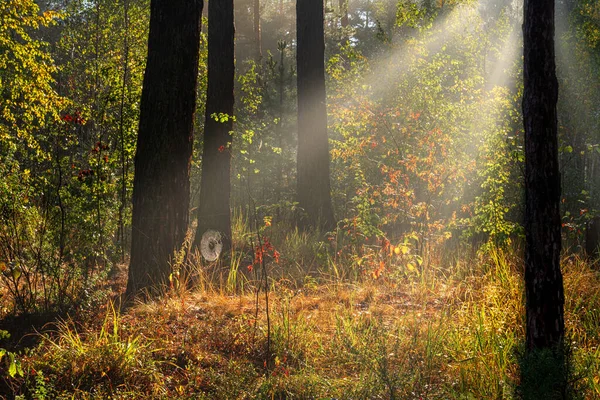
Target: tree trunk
x=257, y=32
x=344, y=22
x=282, y=45
x=543, y=278
x=215, y=189
x=314, y=192
x=164, y=146
x=592, y=238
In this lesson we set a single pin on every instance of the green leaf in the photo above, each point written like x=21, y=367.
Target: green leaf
x=12, y=367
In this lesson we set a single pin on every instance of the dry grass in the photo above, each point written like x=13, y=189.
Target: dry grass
x=434, y=334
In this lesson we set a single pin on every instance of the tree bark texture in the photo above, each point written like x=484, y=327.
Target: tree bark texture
x=314, y=190
x=164, y=145
x=543, y=278
x=214, y=208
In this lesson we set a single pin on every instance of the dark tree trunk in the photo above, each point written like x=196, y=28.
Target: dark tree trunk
x=314, y=192
x=257, y=32
x=543, y=278
x=164, y=146
x=215, y=189
x=592, y=238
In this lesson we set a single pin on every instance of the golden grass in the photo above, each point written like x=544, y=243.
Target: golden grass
x=432, y=335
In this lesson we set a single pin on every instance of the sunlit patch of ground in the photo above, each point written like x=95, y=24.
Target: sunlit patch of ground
x=436, y=335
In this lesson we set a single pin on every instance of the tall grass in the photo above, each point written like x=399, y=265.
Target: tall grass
x=100, y=361
x=451, y=332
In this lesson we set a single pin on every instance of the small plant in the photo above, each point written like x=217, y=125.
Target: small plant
x=12, y=364
x=101, y=360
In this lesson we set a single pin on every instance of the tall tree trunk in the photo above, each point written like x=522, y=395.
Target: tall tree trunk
x=164, y=146
x=257, y=32
x=122, y=205
x=314, y=191
x=543, y=278
x=281, y=46
x=215, y=189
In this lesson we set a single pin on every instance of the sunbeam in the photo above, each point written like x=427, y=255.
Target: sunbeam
x=422, y=45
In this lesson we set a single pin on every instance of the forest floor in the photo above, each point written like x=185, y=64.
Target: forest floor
x=435, y=333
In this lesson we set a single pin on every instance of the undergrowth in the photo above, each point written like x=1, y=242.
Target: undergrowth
x=405, y=332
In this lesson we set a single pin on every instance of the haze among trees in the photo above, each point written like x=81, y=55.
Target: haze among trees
x=299, y=199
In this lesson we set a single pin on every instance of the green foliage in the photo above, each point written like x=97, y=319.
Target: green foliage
x=427, y=152
x=28, y=100
x=262, y=144
x=493, y=207
x=66, y=159
x=29, y=108
x=414, y=15
x=13, y=364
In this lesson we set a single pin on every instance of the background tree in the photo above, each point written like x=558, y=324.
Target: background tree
x=164, y=146
x=257, y=32
x=314, y=191
x=214, y=208
x=543, y=278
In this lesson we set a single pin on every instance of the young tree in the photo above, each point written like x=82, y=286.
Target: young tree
x=215, y=189
x=314, y=192
x=543, y=278
x=164, y=146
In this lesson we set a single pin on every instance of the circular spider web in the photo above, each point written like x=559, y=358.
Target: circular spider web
x=211, y=245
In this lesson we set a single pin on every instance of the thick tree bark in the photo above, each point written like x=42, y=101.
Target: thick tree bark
x=314, y=190
x=164, y=147
x=543, y=278
x=215, y=189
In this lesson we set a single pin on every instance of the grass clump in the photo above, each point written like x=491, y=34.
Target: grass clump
x=97, y=362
